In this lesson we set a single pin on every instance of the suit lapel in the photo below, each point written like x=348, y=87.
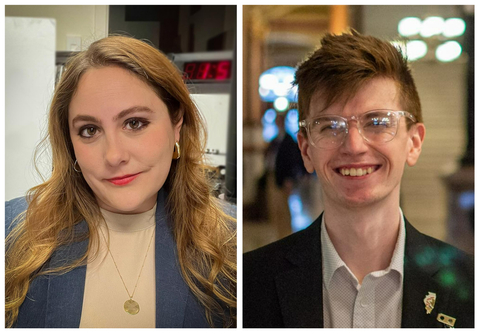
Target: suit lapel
x=300, y=289
x=303, y=307
x=419, y=280
x=171, y=289
x=65, y=292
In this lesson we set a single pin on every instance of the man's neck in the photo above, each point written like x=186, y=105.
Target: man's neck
x=364, y=238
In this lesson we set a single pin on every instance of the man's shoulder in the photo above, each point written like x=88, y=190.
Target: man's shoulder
x=439, y=267
x=426, y=250
x=271, y=269
x=452, y=268
x=274, y=257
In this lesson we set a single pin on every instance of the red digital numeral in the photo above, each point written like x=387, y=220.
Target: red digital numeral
x=190, y=70
x=223, y=70
x=203, y=71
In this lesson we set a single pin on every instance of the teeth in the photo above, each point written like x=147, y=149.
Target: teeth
x=356, y=171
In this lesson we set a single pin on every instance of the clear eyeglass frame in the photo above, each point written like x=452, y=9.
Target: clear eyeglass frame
x=338, y=138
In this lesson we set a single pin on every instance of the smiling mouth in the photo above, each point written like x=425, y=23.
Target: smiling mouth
x=357, y=172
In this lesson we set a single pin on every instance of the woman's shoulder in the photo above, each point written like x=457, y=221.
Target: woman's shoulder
x=13, y=208
x=228, y=208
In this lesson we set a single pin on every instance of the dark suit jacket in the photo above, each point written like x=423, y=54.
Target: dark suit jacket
x=283, y=282
x=57, y=300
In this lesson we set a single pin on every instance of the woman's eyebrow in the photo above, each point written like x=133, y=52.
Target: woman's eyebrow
x=84, y=118
x=122, y=114
x=132, y=110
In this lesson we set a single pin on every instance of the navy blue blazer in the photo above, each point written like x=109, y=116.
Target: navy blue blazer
x=282, y=282
x=57, y=300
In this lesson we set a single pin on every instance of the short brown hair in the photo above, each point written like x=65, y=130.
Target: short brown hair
x=345, y=62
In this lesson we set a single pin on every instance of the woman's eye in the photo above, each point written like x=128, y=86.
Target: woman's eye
x=88, y=132
x=135, y=124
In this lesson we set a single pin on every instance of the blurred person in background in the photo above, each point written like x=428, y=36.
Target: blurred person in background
x=361, y=263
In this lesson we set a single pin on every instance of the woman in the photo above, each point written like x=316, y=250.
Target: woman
x=125, y=232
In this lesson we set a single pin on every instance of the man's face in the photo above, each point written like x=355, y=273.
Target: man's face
x=384, y=163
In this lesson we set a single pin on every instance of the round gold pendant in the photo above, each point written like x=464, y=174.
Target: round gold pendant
x=131, y=307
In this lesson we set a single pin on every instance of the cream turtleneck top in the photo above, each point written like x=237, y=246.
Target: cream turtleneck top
x=104, y=296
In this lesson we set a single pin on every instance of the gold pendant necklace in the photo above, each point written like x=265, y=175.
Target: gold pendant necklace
x=130, y=306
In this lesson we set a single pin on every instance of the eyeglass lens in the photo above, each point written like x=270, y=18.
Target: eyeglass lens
x=375, y=127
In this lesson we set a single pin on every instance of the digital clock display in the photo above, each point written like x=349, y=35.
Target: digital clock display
x=207, y=70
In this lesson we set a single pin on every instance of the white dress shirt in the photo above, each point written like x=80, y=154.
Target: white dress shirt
x=376, y=303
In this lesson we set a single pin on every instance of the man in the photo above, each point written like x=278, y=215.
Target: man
x=361, y=263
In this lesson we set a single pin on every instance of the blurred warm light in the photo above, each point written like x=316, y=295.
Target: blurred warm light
x=281, y=103
x=448, y=51
x=454, y=27
x=409, y=26
x=431, y=26
x=338, y=19
x=416, y=49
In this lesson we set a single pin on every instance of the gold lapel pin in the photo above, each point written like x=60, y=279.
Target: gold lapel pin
x=429, y=301
x=446, y=319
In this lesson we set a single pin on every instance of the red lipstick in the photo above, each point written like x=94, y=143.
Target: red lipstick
x=123, y=180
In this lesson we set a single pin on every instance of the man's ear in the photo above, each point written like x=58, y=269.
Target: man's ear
x=416, y=136
x=304, y=147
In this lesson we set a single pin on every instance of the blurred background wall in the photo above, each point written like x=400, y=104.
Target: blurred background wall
x=436, y=194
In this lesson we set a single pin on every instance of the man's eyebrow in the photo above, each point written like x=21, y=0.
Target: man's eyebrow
x=122, y=114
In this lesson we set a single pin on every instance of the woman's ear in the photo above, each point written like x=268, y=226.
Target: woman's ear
x=177, y=129
x=417, y=135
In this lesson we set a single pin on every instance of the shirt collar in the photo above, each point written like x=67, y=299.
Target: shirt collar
x=331, y=260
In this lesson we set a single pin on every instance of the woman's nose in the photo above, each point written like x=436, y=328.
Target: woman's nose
x=115, y=152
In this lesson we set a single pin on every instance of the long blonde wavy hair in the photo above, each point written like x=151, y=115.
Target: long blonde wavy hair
x=204, y=234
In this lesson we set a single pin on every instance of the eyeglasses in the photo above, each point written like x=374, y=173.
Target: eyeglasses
x=375, y=126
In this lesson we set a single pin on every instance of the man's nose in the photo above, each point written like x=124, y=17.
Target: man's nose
x=354, y=143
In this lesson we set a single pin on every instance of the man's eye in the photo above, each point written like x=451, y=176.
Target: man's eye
x=384, y=122
x=328, y=125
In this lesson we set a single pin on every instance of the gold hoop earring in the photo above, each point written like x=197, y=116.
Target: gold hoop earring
x=74, y=164
x=176, y=151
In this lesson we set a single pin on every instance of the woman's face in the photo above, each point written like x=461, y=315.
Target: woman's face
x=123, y=138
